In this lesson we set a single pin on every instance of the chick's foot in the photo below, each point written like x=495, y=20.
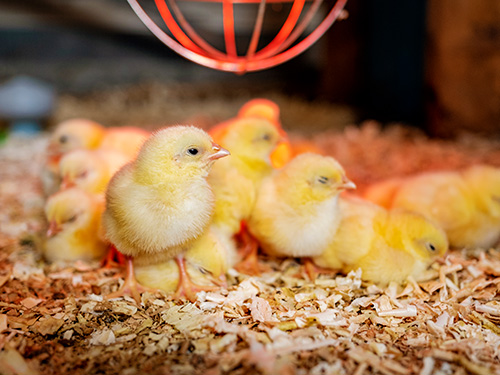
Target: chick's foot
x=313, y=271
x=186, y=288
x=130, y=287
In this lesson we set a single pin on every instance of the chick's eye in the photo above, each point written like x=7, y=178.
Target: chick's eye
x=266, y=137
x=431, y=247
x=63, y=139
x=72, y=219
x=192, y=151
x=322, y=179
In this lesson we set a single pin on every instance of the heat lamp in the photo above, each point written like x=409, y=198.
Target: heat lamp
x=296, y=34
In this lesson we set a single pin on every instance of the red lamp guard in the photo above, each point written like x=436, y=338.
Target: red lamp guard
x=190, y=45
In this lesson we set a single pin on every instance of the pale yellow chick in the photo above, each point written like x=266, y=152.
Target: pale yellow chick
x=259, y=108
x=236, y=180
x=75, y=134
x=161, y=202
x=90, y=170
x=296, y=213
x=466, y=204
x=74, y=218
x=386, y=245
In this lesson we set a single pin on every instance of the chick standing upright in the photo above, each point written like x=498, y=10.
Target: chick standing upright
x=236, y=180
x=157, y=205
x=296, y=212
x=386, y=245
x=466, y=204
x=74, y=218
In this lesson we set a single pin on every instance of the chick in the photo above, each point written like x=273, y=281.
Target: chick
x=74, y=134
x=464, y=203
x=386, y=245
x=78, y=134
x=161, y=202
x=90, y=170
x=68, y=136
x=74, y=218
x=296, y=211
x=205, y=265
x=262, y=109
x=86, y=134
x=236, y=180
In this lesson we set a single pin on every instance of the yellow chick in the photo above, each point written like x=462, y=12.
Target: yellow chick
x=205, y=264
x=297, y=211
x=235, y=180
x=161, y=202
x=90, y=170
x=74, y=134
x=77, y=134
x=69, y=135
x=386, y=245
x=263, y=109
x=466, y=204
x=74, y=218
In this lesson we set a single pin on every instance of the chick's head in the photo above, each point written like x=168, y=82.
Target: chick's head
x=416, y=234
x=260, y=107
x=484, y=181
x=82, y=168
x=184, y=151
x=74, y=134
x=69, y=210
x=252, y=138
x=312, y=178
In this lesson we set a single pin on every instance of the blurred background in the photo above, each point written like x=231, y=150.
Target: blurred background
x=429, y=64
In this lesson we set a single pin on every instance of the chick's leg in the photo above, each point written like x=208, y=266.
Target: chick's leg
x=250, y=264
x=186, y=287
x=130, y=287
x=313, y=271
x=113, y=258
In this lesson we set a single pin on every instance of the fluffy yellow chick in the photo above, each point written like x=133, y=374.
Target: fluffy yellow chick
x=466, y=204
x=74, y=218
x=235, y=180
x=263, y=109
x=90, y=170
x=205, y=264
x=297, y=212
x=75, y=134
x=386, y=245
x=161, y=202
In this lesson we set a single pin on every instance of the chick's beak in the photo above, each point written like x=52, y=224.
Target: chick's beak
x=67, y=183
x=54, y=228
x=218, y=152
x=347, y=184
